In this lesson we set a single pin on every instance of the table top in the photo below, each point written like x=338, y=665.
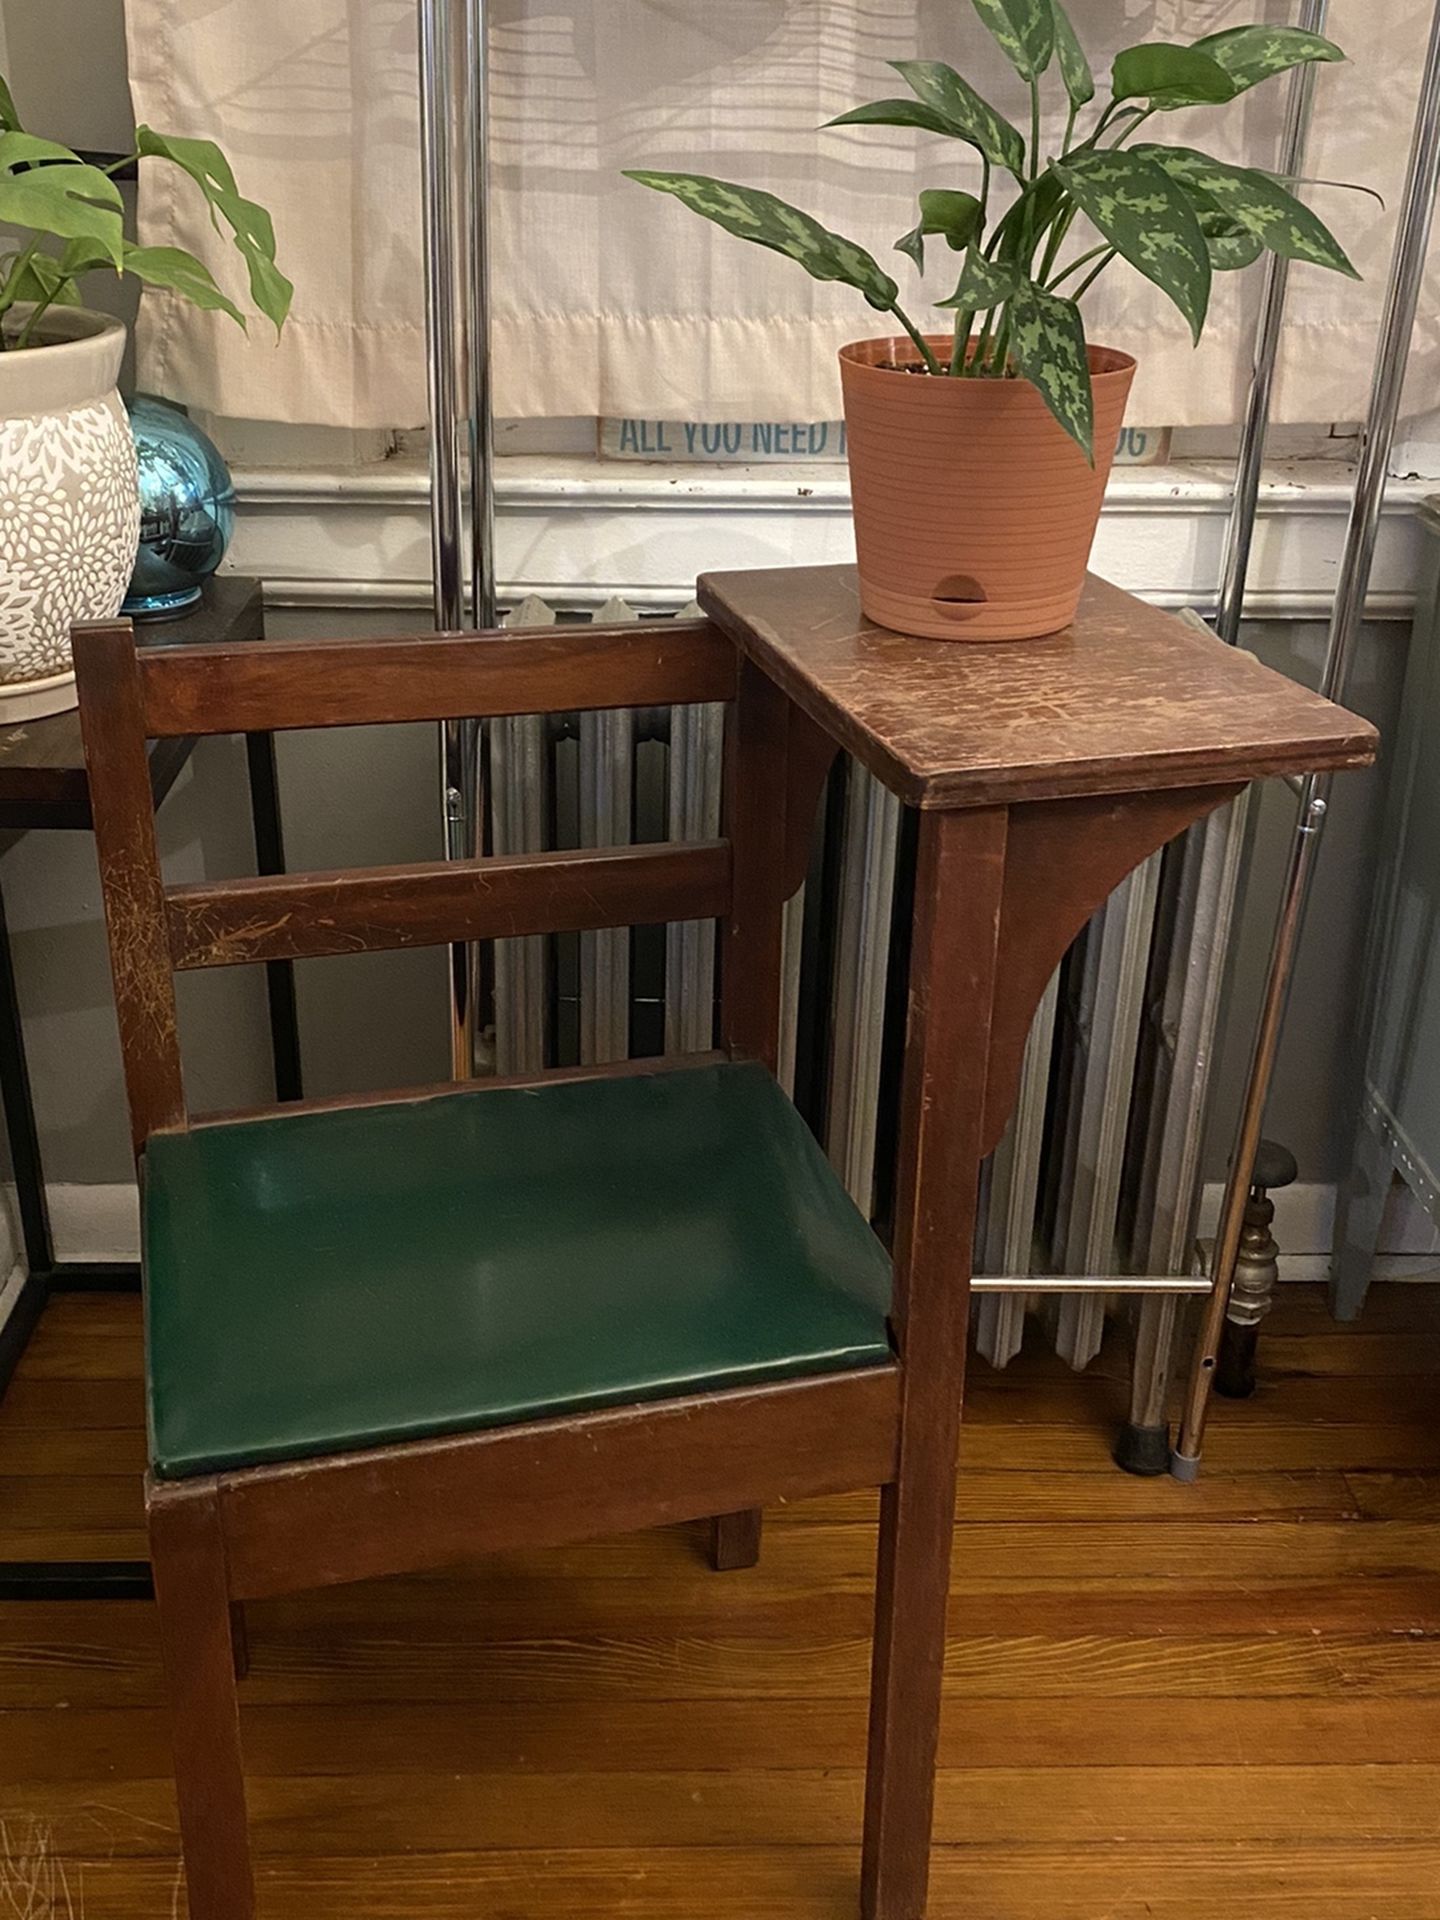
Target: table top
x=1127, y=699
x=42, y=763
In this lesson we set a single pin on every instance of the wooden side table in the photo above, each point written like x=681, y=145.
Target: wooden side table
x=43, y=786
x=1043, y=773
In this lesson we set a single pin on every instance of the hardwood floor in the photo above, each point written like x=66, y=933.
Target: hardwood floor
x=1162, y=1701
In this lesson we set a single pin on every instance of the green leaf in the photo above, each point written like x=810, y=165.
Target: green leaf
x=896, y=113
x=249, y=223
x=965, y=114
x=24, y=150
x=1231, y=247
x=752, y=214
x=9, y=118
x=1047, y=344
x=173, y=267
x=67, y=199
x=1252, y=54
x=1141, y=212
x=1074, y=67
x=43, y=277
x=983, y=284
x=1025, y=30
x=954, y=215
x=1170, y=76
x=1258, y=204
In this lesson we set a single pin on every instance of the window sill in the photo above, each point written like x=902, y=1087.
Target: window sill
x=577, y=531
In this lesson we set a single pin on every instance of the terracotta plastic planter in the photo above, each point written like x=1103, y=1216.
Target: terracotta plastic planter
x=974, y=511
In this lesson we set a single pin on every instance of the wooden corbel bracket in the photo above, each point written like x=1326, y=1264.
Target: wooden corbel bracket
x=1063, y=859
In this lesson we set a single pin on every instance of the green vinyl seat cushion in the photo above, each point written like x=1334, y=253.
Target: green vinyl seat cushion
x=325, y=1281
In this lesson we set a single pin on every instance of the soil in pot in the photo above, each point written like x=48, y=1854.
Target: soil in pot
x=975, y=511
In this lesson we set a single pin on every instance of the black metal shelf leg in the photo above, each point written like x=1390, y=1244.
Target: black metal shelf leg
x=270, y=858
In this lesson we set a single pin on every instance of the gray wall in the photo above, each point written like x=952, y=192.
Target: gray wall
x=67, y=68
x=1312, y=1078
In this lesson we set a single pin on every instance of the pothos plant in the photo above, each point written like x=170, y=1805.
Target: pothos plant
x=66, y=218
x=1178, y=215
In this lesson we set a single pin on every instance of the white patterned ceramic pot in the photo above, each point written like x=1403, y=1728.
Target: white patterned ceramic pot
x=69, y=503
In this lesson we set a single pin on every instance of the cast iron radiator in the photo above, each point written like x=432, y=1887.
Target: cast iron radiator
x=1098, y=1173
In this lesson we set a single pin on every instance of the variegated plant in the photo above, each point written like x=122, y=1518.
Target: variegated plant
x=1176, y=214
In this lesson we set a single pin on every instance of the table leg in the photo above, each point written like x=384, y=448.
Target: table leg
x=270, y=858
x=959, y=884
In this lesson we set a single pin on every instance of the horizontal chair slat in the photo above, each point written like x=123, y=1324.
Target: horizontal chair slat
x=274, y=686
x=644, y=1067
x=228, y=923
x=354, y=1516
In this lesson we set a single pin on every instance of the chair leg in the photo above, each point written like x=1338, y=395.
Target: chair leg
x=187, y=1555
x=735, y=1540
x=239, y=1640
x=912, y=1584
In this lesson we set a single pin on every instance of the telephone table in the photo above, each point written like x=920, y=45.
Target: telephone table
x=1043, y=771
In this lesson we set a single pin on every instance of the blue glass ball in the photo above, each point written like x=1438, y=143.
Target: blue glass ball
x=187, y=509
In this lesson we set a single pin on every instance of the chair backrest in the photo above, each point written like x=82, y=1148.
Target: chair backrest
x=130, y=695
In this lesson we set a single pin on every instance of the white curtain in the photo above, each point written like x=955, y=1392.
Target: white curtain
x=612, y=300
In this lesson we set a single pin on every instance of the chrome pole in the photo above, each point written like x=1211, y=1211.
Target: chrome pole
x=1211, y=857
x=1377, y=440
x=1240, y=534
x=453, y=101
x=479, y=410
x=444, y=323
x=467, y=962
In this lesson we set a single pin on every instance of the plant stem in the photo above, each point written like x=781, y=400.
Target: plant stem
x=1107, y=114
x=932, y=365
x=976, y=365
x=1137, y=121
x=1035, y=129
x=1002, y=346
x=963, y=323
x=1075, y=265
x=37, y=313
x=13, y=279
x=992, y=246
x=1060, y=228
x=1085, y=285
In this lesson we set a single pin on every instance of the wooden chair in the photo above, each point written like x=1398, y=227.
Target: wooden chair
x=390, y=1333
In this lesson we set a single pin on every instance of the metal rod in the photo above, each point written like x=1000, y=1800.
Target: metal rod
x=454, y=128
x=1240, y=533
x=476, y=211
x=467, y=963
x=1377, y=440
x=1156, y=1284
x=443, y=342
x=441, y=81
x=1211, y=863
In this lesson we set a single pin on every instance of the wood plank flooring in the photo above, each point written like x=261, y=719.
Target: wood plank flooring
x=1162, y=1701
